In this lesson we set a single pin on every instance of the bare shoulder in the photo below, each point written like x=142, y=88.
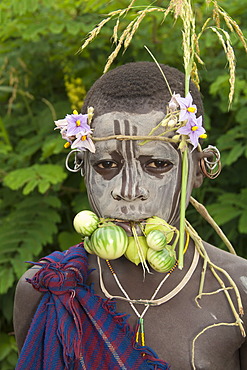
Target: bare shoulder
x=234, y=265
x=26, y=302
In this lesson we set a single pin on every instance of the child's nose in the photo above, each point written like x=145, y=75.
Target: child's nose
x=122, y=192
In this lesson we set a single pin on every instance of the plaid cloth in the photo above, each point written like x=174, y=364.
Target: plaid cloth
x=75, y=329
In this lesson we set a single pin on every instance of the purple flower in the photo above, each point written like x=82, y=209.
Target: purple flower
x=83, y=141
x=61, y=124
x=187, y=109
x=76, y=131
x=193, y=129
x=76, y=123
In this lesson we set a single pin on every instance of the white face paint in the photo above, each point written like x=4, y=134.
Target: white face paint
x=129, y=181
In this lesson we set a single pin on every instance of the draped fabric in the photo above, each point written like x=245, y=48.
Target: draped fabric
x=73, y=328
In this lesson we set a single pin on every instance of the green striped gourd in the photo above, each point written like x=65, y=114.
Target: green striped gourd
x=156, y=240
x=161, y=261
x=85, y=222
x=156, y=223
x=109, y=242
x=87, y=245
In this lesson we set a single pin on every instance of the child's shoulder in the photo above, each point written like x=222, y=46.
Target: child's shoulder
x=233, y=265
x=226, y=259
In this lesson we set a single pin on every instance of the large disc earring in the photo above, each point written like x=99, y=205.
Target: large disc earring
x=78, y=161
x=210, y=164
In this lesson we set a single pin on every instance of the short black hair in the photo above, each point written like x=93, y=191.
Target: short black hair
x=133, y=85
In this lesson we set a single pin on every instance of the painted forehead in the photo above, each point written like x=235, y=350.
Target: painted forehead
x=123, y=123
x=143, y=123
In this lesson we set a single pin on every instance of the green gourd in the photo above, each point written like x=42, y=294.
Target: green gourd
x=156, y=240
x=85, y=222
x=156, y=223
x=109, y=241
x=161, y=261
x=133, y=252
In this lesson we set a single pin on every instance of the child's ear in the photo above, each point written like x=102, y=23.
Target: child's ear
x=199, y=177
x=198, y=173
x=208, y=164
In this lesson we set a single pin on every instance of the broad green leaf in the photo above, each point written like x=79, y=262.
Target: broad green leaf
x=10, y=361
x=73, y=27
x=16, y=179
x=30, y=186
x=241, y=115
x=234, y=154
x=233, y=199
x=5, y=347
x=223, y=214
x=242, y=225
x=6, y=279
x=32, y=5
x=56, y=27
x=7, y=308
x=43, y=186
x=34, y=176
x=19, y=265
x=52, y=146
x=68, y=239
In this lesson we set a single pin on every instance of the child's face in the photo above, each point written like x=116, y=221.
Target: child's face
x=129, y=181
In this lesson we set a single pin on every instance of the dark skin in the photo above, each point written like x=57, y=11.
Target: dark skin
x=171, y=327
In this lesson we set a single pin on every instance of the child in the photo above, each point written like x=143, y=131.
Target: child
x=131, y=180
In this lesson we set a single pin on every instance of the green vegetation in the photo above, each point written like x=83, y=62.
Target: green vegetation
x=43, y=77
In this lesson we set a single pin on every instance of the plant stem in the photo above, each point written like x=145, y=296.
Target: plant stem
x=204, y=213
x=130, y=137
x=183, y=207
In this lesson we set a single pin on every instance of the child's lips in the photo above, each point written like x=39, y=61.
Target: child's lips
x=127, y=226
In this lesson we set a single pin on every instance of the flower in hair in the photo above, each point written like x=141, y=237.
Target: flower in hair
x=173, y=104
x=187, y=109
x=83, y=141
x=76, y=123
x=75, y=129
x=193, y=129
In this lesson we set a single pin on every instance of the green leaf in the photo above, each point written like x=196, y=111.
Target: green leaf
x=6, y=279
x=51, y=173
x=52, y=146
x=241, y=115
x=5, y=347
x=234, y=154
x=73, y=27
x=42, y=176
x=43, y=187
x=56, y=27
x=25, y=230
x=32, y=5
x=67, y=239
x=16, y=179
x=242, y=225
x=19, y=265
x=223, y=214
x=30, y=186
x=7, y=308
x=232, y=199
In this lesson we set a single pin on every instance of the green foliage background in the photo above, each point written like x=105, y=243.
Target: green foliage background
x=42, y=78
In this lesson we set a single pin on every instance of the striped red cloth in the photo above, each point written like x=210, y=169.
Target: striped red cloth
x=73, y=328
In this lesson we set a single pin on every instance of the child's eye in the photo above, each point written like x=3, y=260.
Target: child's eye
x=106, y=164
x=159, y=165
